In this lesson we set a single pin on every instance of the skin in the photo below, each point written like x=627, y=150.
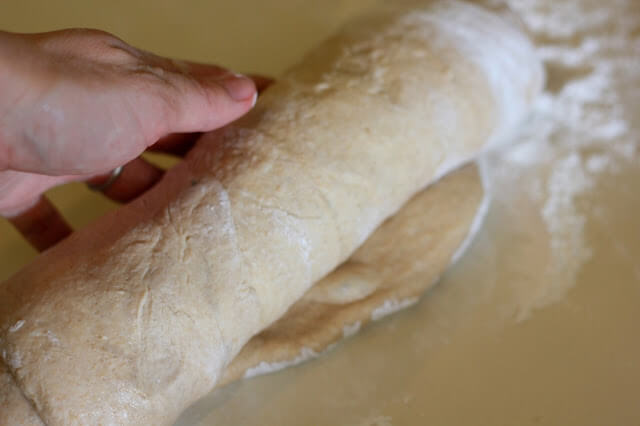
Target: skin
x=76, y=104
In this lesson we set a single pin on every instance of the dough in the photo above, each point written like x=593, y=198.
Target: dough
x=401, y=260
x=14, y=407
x=132, y=319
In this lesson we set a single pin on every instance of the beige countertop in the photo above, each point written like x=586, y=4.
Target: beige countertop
x=539, y=323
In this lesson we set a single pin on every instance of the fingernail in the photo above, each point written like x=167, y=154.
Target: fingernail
x=239, y=87
x=255, y=99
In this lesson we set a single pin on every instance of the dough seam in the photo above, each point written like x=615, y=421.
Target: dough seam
x=31, y=403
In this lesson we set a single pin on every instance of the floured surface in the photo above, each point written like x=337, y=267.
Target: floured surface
x=489, y=339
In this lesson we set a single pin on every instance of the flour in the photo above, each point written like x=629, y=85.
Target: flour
x=270, y=367
x=391, y=306
x=17, y=326
x=349, y=330
x=266, y=367
x=376, y=420
x=579, y=131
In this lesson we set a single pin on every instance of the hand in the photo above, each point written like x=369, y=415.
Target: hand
x=76, y=104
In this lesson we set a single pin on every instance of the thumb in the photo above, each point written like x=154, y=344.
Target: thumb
x=199, y=98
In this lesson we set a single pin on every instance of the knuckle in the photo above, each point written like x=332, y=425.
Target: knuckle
x=92, y=44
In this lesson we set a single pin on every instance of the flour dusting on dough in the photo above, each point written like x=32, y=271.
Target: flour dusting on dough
x=270, y=367
x=391, y=306
x=15, y=360
x=350, y=329
x=17, y=326
x=499, y=57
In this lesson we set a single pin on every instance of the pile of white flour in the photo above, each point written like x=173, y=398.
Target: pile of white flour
x=581, y=128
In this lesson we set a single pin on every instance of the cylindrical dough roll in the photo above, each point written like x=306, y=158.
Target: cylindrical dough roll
x=132, y=319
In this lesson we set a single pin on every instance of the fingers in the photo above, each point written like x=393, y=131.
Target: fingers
x=214, y=102
x=179, y=144
x=193, y=97
x=19, y=190
x=122, y=100
x=41, y=225
x=137, y=177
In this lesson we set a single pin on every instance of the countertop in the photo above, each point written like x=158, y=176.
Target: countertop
x=539, y=322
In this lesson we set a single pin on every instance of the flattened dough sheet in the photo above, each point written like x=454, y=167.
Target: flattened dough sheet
x=396, y=265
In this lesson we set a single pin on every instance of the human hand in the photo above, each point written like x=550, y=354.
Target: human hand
x=76, y=104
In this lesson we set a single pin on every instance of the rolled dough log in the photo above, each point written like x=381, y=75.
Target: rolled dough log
x=402, y=259
x=135, y=317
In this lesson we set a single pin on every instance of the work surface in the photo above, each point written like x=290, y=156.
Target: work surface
x=539, y=322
